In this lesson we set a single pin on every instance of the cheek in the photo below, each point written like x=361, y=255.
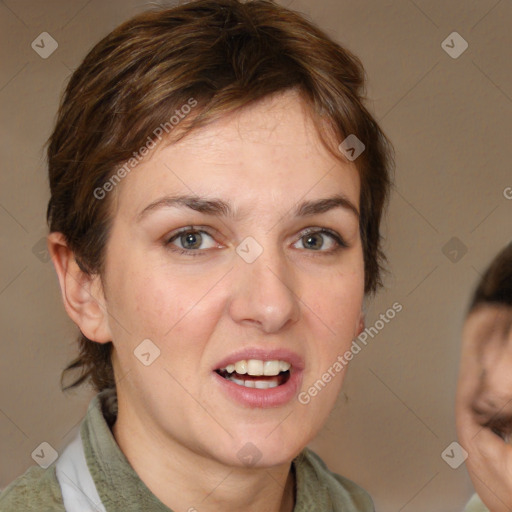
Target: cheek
x=173, y=308
x=158, y=307
x=144, y=304
x=337, y=300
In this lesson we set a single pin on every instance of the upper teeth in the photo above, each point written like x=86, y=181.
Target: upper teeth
x=258, y=367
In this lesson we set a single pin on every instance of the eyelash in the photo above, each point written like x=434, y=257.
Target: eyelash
x=340, y=242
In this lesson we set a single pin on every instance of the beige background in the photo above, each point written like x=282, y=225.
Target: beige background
x=449, y=120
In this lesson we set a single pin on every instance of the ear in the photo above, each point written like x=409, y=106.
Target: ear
x=82, y=293
x=360, y=324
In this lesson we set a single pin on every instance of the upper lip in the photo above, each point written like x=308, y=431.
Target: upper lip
x=263, y=354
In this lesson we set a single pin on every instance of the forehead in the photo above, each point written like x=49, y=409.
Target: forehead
x=269, y=151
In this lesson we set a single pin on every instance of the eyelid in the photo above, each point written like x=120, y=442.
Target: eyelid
x=320, y=229
x=338, y=239
x=200, y=229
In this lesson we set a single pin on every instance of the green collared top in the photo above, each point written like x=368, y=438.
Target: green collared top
x=121, y=489
x=475, y=504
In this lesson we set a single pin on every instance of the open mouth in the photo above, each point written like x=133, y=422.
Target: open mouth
x=256, y=373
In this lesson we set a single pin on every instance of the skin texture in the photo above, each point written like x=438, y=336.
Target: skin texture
x=178, y=429
x=484, y=403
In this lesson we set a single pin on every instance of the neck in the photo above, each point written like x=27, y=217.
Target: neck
x=189, y=481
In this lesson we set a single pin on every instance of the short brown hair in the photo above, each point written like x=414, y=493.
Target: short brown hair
x=225, y=54
x=495, y=286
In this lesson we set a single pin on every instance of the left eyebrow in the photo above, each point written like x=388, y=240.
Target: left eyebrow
x=224, y=209
x=323, y=205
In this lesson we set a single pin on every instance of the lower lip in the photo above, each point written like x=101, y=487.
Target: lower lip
x=263, y=398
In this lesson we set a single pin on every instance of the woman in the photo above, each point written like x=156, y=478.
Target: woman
x=484, y=396
x=216, y=193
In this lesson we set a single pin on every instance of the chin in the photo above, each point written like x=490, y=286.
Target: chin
x=257, y=449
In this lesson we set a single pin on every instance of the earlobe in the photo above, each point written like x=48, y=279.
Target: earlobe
x=82, y=293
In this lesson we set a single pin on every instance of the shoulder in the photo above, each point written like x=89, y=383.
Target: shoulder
x=344, y=493
x=475, y=505
x=37, y=489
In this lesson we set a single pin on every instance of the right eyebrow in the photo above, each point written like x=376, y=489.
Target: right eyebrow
x=199, y=204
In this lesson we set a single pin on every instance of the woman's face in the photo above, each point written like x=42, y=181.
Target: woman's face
x=245, y=266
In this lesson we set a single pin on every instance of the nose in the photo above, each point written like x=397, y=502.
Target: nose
x=498, y=382
x=264, y=293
